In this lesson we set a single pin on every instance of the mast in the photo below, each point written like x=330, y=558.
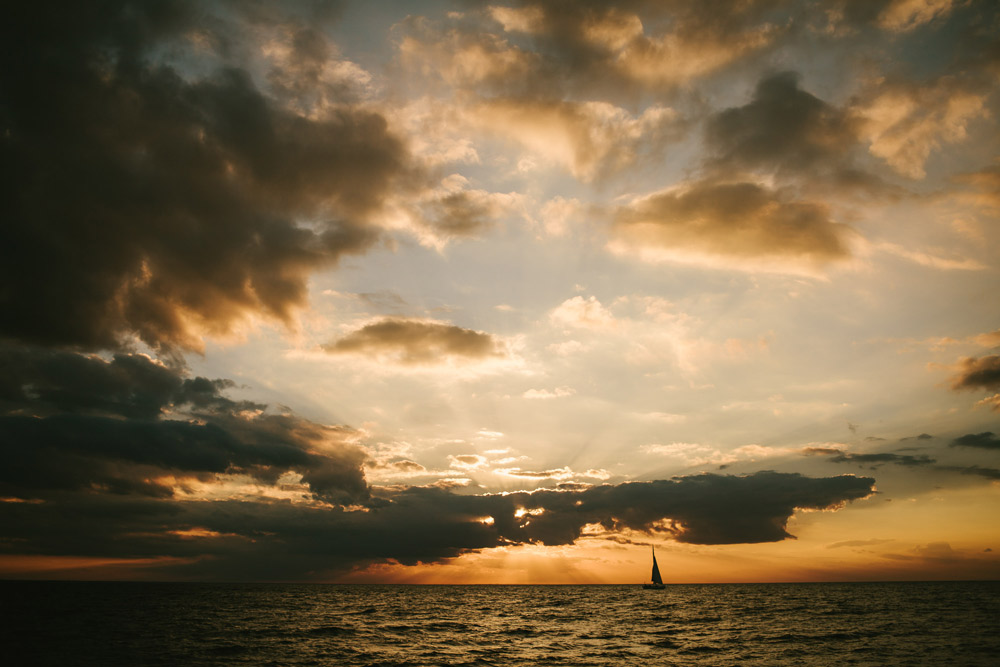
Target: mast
x=656, y=570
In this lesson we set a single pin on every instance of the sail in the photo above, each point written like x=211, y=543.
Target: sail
x=656, y=571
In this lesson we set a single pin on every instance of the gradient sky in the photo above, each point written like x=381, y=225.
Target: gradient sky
x=450, y=292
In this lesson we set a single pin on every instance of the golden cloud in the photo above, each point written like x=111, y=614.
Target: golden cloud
x=587, y=138
x=418, y=342
x=977, y=373
x=734, y=224
x=904, y=122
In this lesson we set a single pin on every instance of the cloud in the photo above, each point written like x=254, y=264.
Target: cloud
x=904, y=121
x=559, y=474
x=875, y=459
x=822, y=451
x=694, y=454
x=898, y=16
x=786, y=131
x=978, y=373
x=305, y=72
x=977, y=471
x=929, y=260
x=583, y=313
x=558, y=213
x=985, y=440
x=590, y=49
x=148, y=197
x=129, y=425
x=783, y=127
x=938, y=343
x=545, y=394
x=454, y=210
x=590, y=139
x=405, y=467
x=906, y=15
x=563, y=473
x=247, y=540
x=467, y=461
x=731, y=224
x=857, y=543
x=463, y=56
x=992, y=402
x=597, y=44
x=418, y=342
x=983, y=186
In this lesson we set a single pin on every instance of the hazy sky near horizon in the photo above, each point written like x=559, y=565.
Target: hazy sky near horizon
x=456, y=291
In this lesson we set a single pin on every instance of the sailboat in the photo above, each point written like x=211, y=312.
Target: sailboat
x=657, y=580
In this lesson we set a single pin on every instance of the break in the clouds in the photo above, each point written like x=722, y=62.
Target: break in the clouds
x=732, y=223
x=150, y=198
x=420, y=342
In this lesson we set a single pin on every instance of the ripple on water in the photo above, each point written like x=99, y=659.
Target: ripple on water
x=365, y=626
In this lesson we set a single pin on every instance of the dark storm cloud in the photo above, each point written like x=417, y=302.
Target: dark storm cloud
x=700, y=509
x=141, y=198
x=783, y=127
x=978, y=373
x=787, y=131
x=280, y=540
x=985, y=440
x=417, y=342
x=70, y=422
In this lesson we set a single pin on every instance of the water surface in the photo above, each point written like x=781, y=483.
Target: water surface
x=84, y=623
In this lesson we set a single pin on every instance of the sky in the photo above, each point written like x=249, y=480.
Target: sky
x=461, y=292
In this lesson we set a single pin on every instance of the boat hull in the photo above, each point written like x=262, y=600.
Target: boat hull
x=654, y=586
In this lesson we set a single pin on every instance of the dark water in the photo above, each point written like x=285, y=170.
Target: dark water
x=50, y=623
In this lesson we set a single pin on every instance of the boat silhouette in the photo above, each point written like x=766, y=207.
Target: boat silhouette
x=657, y=582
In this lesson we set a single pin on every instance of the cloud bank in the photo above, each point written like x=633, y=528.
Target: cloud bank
x=132, y=426
x=174, y=202
x=125, y=457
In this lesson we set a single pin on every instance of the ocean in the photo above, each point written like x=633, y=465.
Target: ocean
x=99, y=623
